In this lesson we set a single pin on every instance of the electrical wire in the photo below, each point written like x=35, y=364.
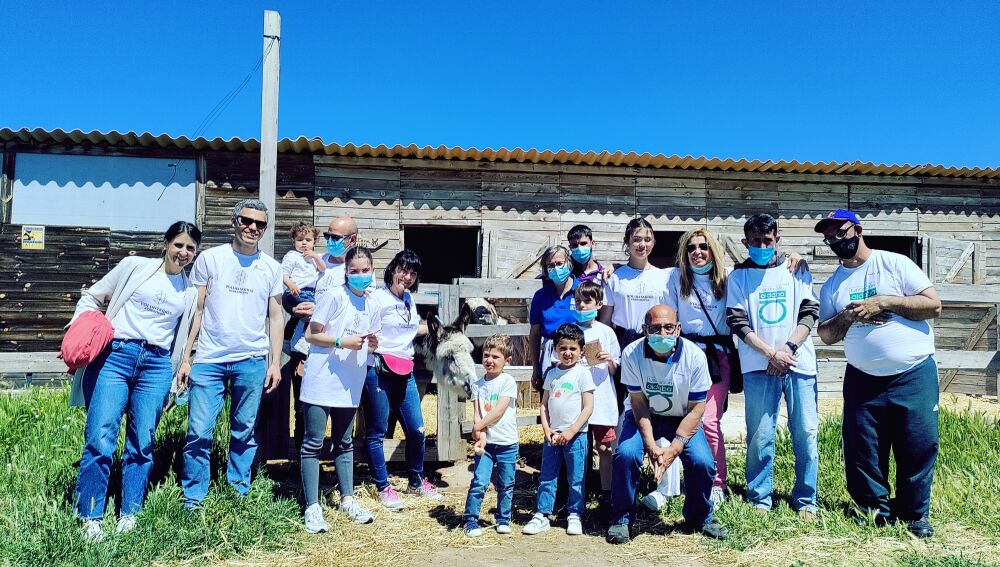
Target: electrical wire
x=221, y=106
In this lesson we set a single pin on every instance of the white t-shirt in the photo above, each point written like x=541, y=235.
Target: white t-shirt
x=234, y=325
x=152, y=313
x=692, y=317
x=896, y=345
x=668, y=385
x=771, y=298
x=334, y=276
x=400, y=323
x=633, y=292
x=504, y=431
x=335, y=377
x=605, y=398
x=302, y=270
x=566, y=388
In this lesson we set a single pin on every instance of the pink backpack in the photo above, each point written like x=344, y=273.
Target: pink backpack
x=86, y=339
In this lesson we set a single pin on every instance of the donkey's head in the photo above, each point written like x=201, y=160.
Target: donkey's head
x=448, y=353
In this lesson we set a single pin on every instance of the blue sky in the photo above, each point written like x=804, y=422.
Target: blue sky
x=887, y=81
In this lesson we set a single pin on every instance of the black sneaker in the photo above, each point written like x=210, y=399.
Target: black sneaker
x=715, y=530
x=618, y=534
x=920, y=528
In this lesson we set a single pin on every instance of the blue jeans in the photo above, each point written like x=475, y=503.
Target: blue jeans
x=897, y=412
x=574, y=454
x=209, y=381
x=763, y=398
x=132, y=376
x=696, y=458
x=400, y=397
x=497, y=462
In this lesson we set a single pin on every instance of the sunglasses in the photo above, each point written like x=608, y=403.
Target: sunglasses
x=658, y=329
x=248, y=222
x=703, y=246
x=333, y=237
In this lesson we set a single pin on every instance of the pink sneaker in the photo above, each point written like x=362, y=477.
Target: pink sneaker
x=390, y=499
x=426, y=490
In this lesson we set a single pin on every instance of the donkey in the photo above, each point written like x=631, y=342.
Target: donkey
x=480, y=311
x=447, y=352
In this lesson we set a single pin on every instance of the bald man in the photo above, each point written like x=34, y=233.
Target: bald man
x=667, y=380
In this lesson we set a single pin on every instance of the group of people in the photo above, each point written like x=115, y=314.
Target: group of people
x=632, y=362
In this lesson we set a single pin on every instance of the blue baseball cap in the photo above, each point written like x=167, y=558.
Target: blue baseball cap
x=838, y=217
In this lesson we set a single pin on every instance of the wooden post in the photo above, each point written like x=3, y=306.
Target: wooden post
x=269, y=123
x=450, y=414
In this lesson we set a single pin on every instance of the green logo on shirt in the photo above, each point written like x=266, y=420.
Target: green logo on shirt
x=772, y=307
x=863, y=295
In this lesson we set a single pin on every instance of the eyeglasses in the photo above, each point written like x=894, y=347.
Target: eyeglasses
x=333, y=237
x=703, y=246
x=841, y=234
x=248, y=222
x=658, y=329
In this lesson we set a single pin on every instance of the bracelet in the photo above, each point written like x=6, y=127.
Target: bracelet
x=336, y=342
x=684, y=440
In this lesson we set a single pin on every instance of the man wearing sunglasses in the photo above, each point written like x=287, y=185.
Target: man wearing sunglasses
x=772, y=312
x=880, y=303
x=667, y=381
x=239, y=287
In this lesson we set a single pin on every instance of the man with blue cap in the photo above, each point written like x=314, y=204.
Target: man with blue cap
x=880, y=303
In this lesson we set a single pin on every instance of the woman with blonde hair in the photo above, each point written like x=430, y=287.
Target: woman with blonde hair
x=697, y=292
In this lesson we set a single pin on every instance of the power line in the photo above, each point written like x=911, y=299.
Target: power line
x=221, y=106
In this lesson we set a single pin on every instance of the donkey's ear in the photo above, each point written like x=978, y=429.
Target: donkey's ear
x=434, y=326
x=464, y=318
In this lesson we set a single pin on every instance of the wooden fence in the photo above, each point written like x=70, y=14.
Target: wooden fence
x=967, y=355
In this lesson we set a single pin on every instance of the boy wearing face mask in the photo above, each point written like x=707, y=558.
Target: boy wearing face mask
x=581, y=248
x=601, y=340
x=772, y=312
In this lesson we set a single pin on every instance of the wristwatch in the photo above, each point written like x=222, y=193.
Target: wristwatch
x=794, y=347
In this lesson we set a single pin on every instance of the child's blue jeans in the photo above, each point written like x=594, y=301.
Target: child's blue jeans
x=574, y=454
x=497, y=462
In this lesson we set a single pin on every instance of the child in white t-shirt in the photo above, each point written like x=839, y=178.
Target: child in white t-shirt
x=602, y=345
x=567, y=403
x=495, y=434
x=301, y=267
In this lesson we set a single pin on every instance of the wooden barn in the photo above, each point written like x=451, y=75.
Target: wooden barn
x=475, y=214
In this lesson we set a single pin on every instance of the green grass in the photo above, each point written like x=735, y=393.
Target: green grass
x=41, y=440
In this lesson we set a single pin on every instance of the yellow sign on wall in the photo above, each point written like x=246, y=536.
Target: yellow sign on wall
x=32, y=237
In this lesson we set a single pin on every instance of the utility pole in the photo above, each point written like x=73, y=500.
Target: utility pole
x=269, y=123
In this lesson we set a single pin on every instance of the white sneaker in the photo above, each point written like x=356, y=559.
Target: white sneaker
x=536, y=525
x=573, y=525
x=314, y=519
x=503, y=528
x=92, y=532
x=473, y=531
x=356, y=512
x=718, y=496
x=655, y=500
x=125, y=524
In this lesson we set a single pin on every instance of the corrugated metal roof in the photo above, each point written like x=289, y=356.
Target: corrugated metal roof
x=516, y=155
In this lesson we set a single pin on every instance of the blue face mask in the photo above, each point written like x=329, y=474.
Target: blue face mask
x=359, y=282
x=661, y=344
x=704, y=269
x=336, y=247
x=585, y=316
x=760, y=256
x=580, y=254
x=559, y=275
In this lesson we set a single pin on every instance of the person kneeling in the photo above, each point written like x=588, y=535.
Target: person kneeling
x=668, y=381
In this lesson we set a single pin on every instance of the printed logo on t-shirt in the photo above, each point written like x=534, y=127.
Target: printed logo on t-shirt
x=492, y=400
x=160, y=297
x=773, y=309
x=566, y=388
x=642, y=292
x=861, y=294
x=239, y=284
x=660, y=396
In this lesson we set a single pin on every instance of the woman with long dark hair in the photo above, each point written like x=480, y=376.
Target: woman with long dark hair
x=390, y=386
x=149, y=302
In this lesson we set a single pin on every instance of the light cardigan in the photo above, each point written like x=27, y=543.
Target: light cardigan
x=114, y=290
